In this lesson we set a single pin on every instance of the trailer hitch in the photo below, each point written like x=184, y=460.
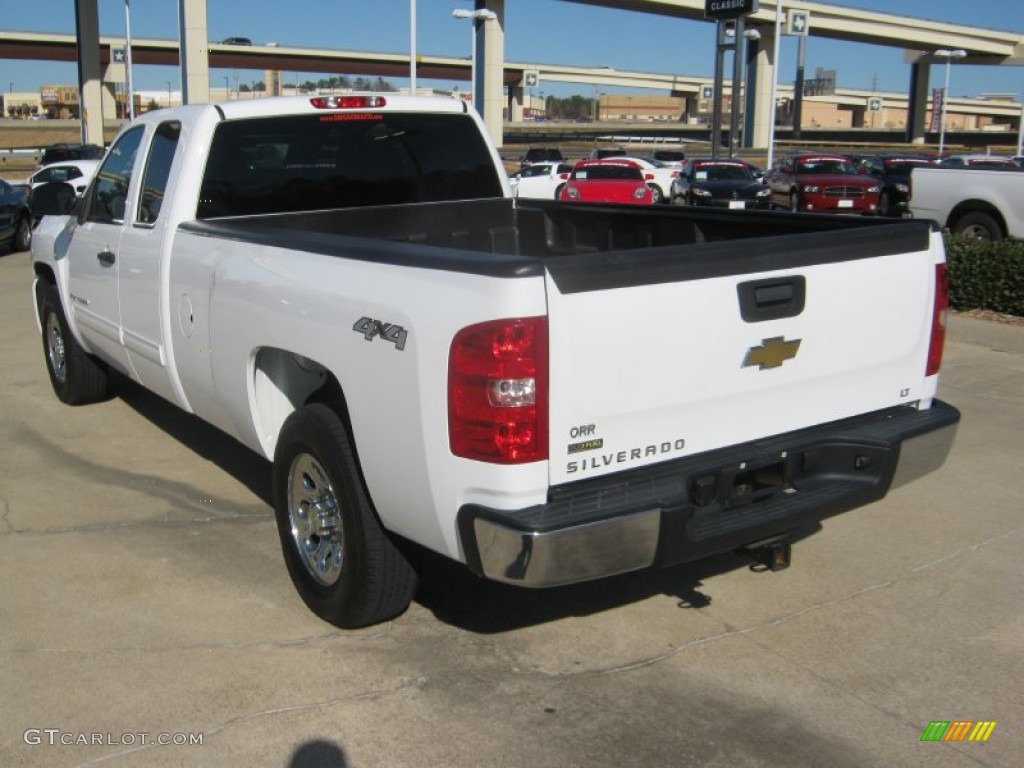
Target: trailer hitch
x=771, y=555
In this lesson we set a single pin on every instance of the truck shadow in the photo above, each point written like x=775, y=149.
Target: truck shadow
x=249, y=468
x=447, y=588
x=459, y=598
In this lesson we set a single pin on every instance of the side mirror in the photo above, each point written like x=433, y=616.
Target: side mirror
x=54, y=199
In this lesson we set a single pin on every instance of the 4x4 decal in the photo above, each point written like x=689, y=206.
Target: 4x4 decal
x=370, y=329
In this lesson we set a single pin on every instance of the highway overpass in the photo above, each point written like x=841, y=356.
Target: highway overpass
x=196, y=55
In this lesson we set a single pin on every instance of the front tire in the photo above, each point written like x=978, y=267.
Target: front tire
x=884, y=205
x=346, y=568
x=23, y=235
x=77, y=377
x=794, y=202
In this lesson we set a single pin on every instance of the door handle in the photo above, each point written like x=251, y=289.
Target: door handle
x=106, y=258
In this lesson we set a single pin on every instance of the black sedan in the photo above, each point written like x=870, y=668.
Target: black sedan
x=15, y=219
x=720, y=183
x=893, y=174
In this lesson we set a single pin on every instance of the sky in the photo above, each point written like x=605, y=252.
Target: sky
x=537, y=31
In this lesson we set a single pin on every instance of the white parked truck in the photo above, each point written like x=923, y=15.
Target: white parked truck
x=547, y=392
x=983, y=203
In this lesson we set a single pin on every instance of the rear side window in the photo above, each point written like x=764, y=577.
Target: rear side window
x=158, y=169
x=317, y=162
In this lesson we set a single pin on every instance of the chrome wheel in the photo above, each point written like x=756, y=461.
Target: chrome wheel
x=56, y=352
x=316, y=526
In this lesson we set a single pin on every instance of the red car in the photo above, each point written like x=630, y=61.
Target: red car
x=820, y=182
x=607, y=181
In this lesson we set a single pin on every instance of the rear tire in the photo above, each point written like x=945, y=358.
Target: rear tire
x=77, y=377
x=558, y=191
x=794, y=202
x=345, y=566
x=978, y=226
x=656, y=194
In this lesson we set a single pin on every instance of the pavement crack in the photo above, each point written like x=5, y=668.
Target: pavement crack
x=4, y=522
x=780, y=620
x=354, y=636
x=163, y=522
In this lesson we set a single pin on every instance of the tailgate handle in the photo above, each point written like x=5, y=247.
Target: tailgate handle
x=773, y=298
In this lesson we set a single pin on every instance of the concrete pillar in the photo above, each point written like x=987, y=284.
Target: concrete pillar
x=917, y=102
x=491, y=60
x=90, y=76
x=194, y=60
x=109, y=100
x=516, y=94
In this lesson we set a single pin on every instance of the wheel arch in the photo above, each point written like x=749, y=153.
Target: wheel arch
x=283, y=382
x=975, y=206
x=43, y=274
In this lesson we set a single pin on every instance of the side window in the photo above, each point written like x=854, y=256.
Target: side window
x=110, y=192
x=158, y=169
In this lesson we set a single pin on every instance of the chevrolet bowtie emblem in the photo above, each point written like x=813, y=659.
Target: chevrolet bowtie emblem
x=771, y=353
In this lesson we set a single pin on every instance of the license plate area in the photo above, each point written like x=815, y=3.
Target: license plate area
x=737, y=204
x=845, y=203
x=743, y=484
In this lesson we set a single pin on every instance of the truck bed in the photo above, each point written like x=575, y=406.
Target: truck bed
x=503, y=237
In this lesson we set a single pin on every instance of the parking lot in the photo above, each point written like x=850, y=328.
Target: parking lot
x=145, y=607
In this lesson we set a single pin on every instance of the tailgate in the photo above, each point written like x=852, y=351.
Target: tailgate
x=669, y=352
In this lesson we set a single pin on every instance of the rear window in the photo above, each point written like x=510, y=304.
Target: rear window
x=606, y=172
x=540, y=155
x=323, y=161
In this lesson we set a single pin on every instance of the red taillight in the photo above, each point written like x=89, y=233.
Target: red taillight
x=498, y=391
x=348, y=102
x=939, y=311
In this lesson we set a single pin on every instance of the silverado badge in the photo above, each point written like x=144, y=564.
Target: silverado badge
x=771, y=353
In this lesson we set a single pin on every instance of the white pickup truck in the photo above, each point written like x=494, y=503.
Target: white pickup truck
x=547, y=392
x=983, y=203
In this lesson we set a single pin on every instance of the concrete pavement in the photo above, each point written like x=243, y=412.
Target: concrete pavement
x=144, y=593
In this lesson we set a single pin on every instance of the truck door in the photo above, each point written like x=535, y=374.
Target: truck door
x=144, y=249
x=93, y=271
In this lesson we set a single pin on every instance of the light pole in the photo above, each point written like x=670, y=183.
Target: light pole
x=775, y=84
x=948, y=56
x=227, y=88
x=412, y=47
x=128, y=59
x=168, y=93
x=479, y=15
